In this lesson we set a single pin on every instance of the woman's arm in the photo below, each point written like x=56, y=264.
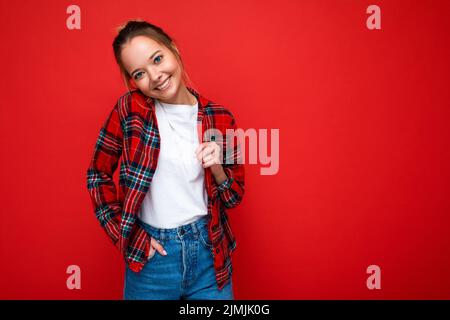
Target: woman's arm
x=231, y=190
x=100, y=184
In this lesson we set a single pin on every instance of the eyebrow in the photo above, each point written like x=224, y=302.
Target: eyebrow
x=151, y=57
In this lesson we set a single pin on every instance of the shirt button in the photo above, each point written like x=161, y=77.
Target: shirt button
x=217, y=250
x=182, y=231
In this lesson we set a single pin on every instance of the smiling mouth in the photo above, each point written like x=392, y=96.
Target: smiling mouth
x=164, y=85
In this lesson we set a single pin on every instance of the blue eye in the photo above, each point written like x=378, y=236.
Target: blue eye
x=160, y=56
x=136, y=75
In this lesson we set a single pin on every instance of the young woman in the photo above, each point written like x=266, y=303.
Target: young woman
x=180, y=171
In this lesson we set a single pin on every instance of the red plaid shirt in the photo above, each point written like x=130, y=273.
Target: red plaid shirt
x=131, y=133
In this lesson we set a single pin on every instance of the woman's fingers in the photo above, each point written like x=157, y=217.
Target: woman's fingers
x=206, y=148
x=157, y=246
x=200, y=147
x=208, y=158
x=151, y=253
x=203, y=153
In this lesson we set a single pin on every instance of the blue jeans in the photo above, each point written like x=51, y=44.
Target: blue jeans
x=186, y=272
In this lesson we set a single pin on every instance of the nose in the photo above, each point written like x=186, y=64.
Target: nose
x=155, y=79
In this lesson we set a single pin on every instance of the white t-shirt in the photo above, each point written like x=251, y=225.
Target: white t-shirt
x=177, y=194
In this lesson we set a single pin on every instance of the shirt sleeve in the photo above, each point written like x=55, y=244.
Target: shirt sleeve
x=102, y=189
x=225, y=185
x=231, y=190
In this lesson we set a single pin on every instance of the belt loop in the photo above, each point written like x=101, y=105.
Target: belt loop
x=195, y=227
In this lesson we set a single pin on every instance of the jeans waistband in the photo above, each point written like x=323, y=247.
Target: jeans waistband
x=175, y=233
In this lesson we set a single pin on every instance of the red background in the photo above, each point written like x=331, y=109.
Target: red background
x=364, y=142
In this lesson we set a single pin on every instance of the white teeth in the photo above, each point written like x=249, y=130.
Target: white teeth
x=164, y=85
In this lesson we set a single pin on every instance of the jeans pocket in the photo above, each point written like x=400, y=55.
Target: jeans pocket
x=153, y=253
x=204, y=238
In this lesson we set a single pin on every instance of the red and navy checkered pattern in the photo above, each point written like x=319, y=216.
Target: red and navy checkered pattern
x=130, y=133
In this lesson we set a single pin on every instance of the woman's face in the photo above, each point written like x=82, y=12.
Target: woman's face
x=150, y=64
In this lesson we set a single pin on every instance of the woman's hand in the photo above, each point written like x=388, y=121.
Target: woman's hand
x=210, y=155
x=155, y=246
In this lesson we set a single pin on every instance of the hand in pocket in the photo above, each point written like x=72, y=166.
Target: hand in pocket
x=155, y=246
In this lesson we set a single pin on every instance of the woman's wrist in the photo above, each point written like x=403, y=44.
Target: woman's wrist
x=219, y=174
